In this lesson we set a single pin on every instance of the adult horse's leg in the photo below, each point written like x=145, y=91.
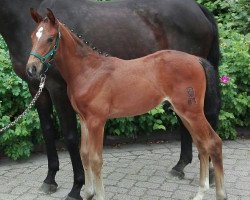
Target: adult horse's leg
x=212, y=116
x=186, y=152
x=68, y=122
x=91, y=152
x=45, y=111
x=186, y=147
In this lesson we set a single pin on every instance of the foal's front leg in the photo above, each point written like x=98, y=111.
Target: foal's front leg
x=84, y=152
x=91, y=151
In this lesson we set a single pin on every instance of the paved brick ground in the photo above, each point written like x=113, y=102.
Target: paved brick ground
x=131, y=172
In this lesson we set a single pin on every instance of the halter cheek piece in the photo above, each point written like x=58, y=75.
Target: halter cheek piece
x=48, y=57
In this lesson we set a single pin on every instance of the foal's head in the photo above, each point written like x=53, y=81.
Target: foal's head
x=45, y=42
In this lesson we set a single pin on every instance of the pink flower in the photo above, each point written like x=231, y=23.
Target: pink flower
x=224, y=79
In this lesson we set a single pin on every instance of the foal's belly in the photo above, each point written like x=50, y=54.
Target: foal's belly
x=135, y=108
x=135, y=99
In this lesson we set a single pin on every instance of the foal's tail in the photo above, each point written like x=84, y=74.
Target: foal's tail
x=212, y=102
x=214, y=53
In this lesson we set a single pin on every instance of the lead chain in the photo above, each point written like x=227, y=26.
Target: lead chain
x=32, y=103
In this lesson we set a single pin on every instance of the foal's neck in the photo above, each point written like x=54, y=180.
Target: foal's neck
x=74, y=56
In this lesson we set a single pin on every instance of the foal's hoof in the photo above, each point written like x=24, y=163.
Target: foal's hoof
x=222, y=198
x=211, y=177
x=88, y=196
x=176, y=173
x=72, y=198
x=48, y=188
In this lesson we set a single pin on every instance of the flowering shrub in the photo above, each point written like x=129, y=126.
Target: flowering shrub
x=236, y=92
x=224, y=79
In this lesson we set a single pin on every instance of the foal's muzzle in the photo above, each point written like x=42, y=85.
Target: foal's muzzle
x=34, y=69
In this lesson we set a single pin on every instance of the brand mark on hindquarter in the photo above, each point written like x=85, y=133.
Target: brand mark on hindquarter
x=191, y=96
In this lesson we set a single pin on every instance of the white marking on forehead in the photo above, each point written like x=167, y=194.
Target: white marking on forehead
x=39, y=33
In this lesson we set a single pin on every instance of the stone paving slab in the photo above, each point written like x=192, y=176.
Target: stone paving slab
x=131, y=172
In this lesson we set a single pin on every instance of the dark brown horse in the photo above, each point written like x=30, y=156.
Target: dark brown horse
x=140, y=27
x=101, y=88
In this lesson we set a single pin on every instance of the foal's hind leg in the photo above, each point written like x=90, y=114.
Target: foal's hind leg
x=204, y=159
x=215, y=152
x=208, y=144
x=204, y=173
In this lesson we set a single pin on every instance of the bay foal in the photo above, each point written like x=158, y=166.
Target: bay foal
x=102, y=87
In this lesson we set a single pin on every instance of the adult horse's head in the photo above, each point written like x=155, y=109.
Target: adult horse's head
x=45, y=43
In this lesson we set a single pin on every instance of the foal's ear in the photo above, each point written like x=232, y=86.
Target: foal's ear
x=35, y=15
x=51, y=16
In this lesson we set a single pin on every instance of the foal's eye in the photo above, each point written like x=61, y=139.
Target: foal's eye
x=50, y=40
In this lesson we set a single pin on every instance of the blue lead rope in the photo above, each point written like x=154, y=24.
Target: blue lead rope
x=45, y=59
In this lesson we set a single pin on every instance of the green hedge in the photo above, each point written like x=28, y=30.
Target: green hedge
x=235, y=40
x=17, y=142
x=235, y=95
